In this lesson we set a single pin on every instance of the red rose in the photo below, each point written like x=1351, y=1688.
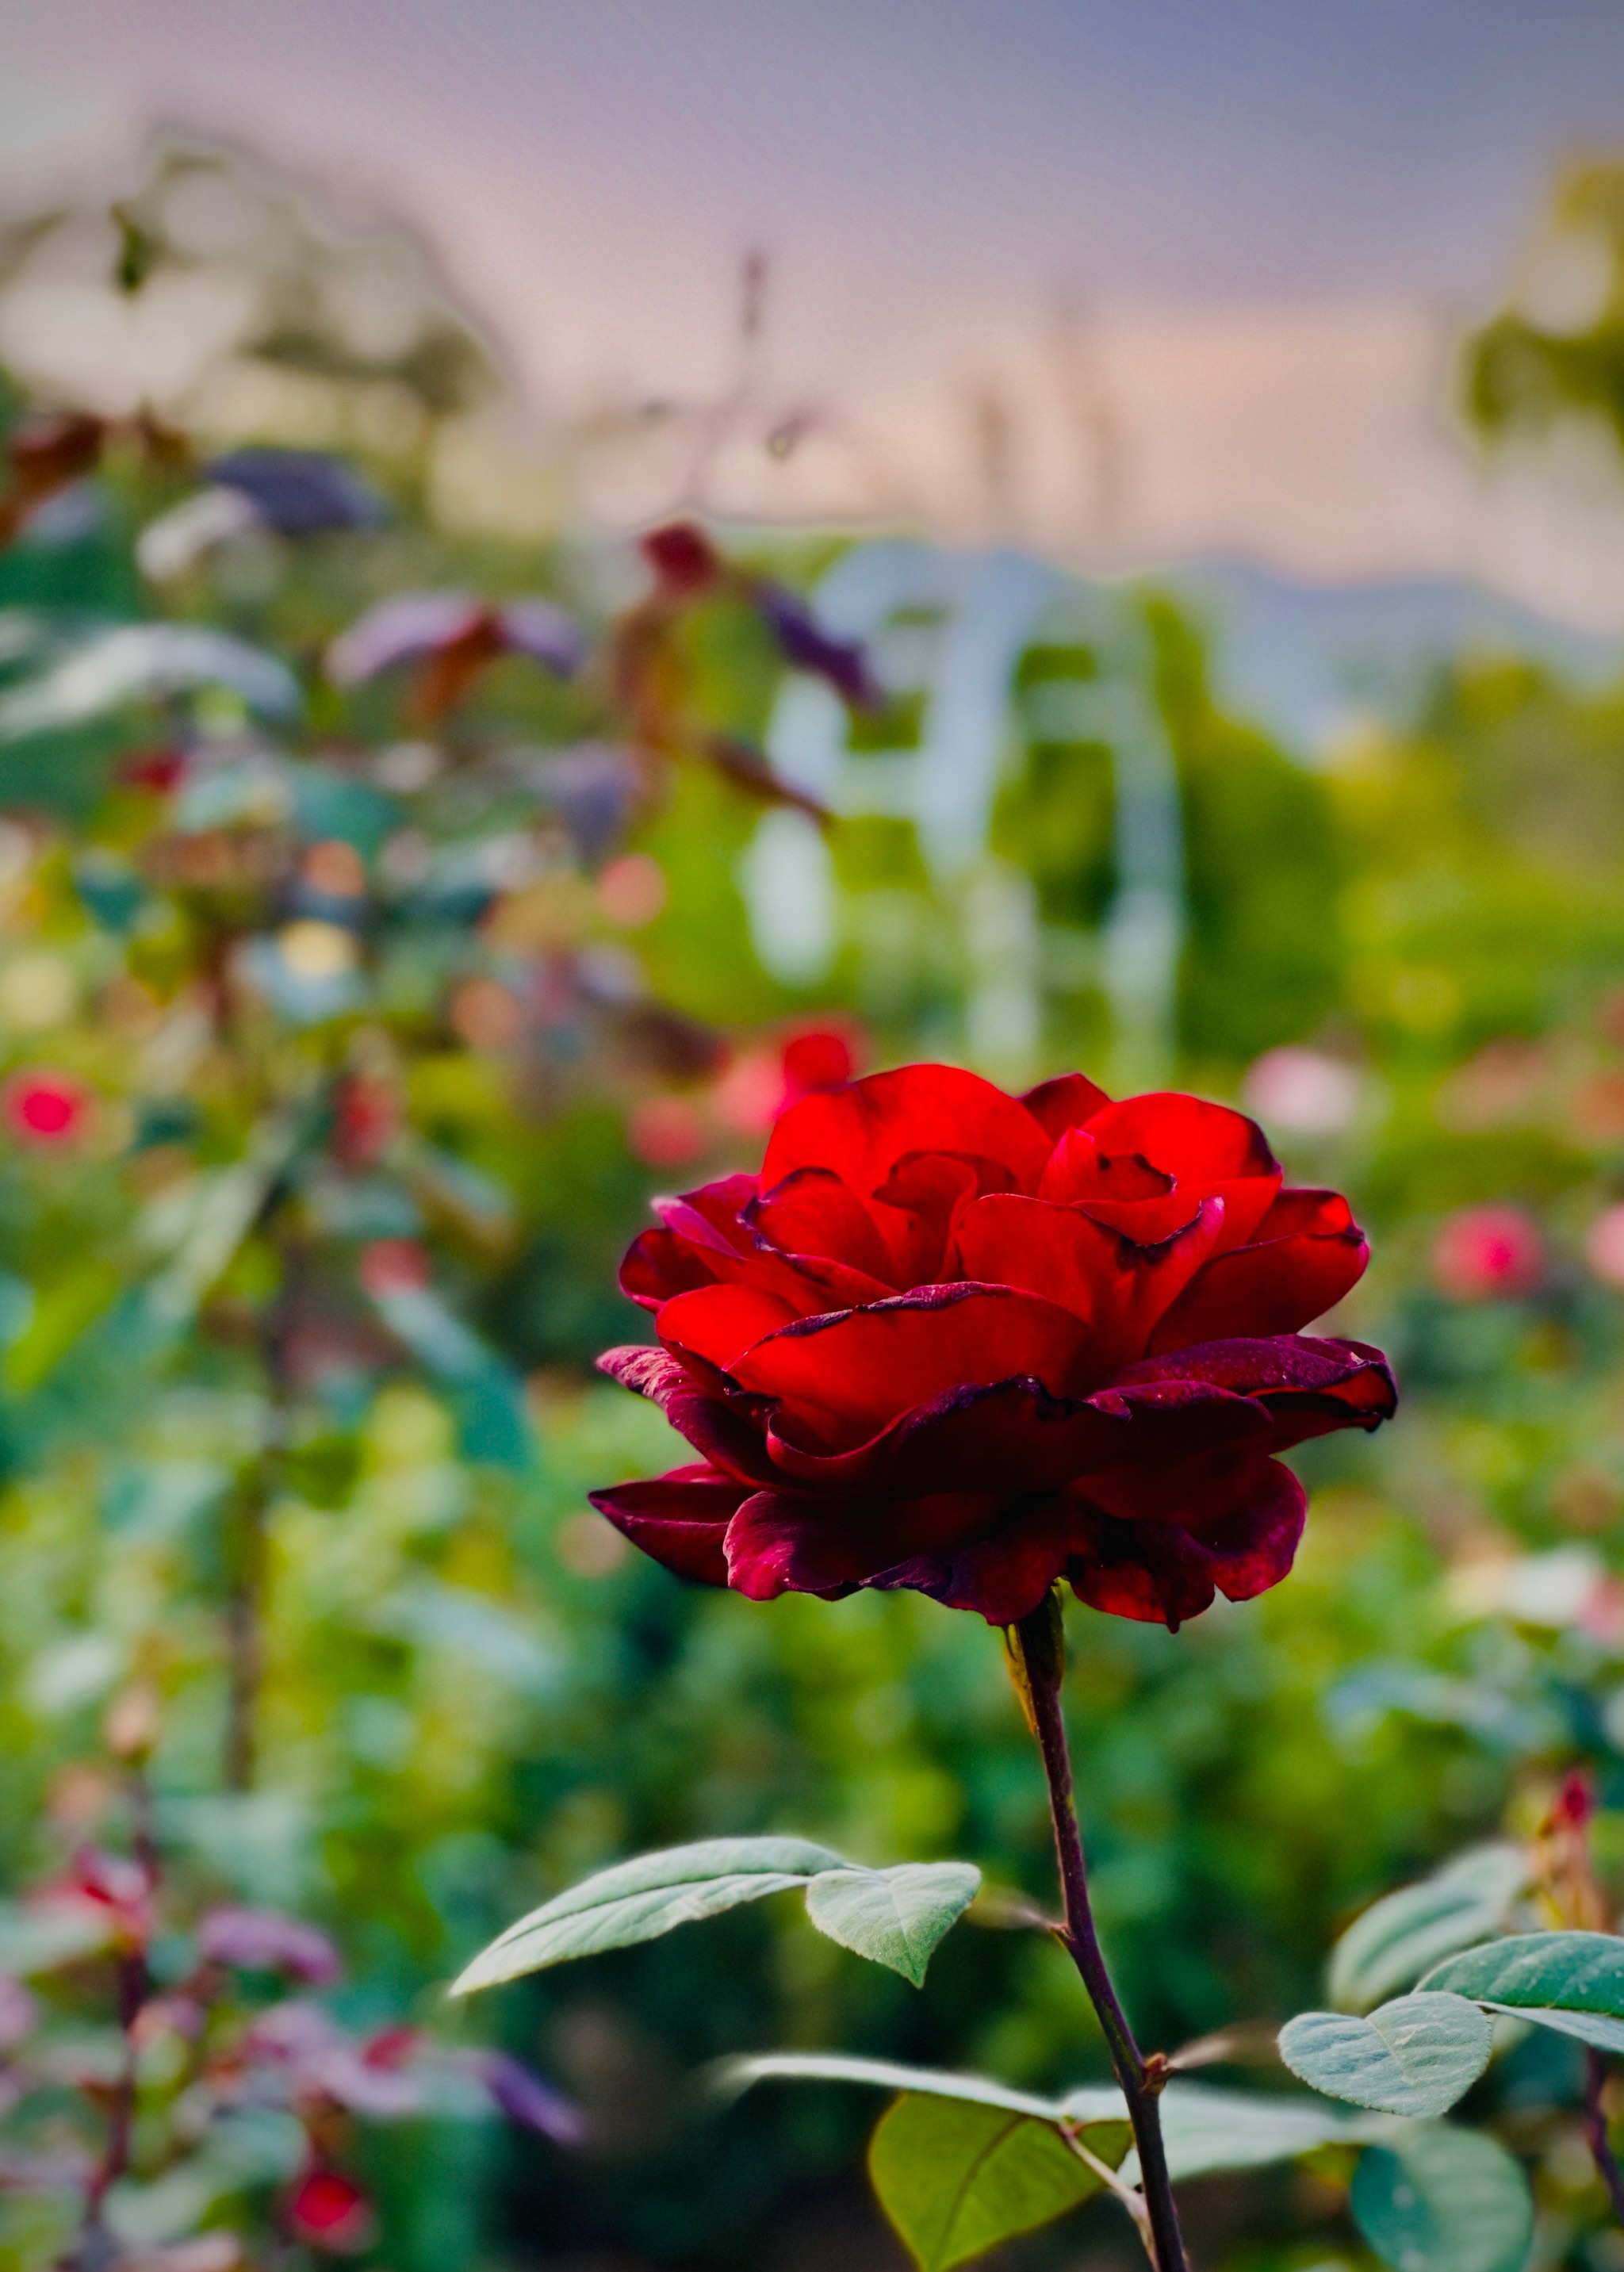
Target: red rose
x=971, y=1343
x=332, y=2212
x=45, y=1107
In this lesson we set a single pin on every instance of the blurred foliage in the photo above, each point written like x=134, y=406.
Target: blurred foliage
x=1558, y=353
x=1410, y=965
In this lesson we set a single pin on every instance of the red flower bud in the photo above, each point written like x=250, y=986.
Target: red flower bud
x=1488, y=1253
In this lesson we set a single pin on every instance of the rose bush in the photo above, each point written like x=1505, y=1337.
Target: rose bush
x=970, y=1343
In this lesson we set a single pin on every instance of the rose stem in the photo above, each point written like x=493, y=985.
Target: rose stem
x=1037, y=1650
x=1595, y=2130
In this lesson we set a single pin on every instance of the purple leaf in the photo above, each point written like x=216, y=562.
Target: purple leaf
x=267, y=1940
x=401, y=630
x=300, y=492
x=525, y=2099
x=545, y=633
x=842, y=663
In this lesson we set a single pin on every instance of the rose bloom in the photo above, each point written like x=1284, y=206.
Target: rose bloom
x=44, y=1107
x=1488, y=1253
x=970, y=1343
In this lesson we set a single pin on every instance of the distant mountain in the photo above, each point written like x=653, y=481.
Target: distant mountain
x=1307, y=660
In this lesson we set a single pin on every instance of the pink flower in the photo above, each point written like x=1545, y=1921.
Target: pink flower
x=44, y=1107
x=394, y=1265
x=332, y=2212
x=265, y=1940
x=1604, y=1246
x=1488, y=1253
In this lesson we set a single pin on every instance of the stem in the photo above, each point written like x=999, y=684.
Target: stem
x=93, y=2249
x=1595, y=2130
x=244, y=1645
x=250, y=1545
x=1039, y=1657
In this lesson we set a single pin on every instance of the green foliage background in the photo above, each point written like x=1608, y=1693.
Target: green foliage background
x=470, y=1698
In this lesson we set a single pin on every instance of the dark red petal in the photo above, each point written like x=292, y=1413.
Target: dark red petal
x=787, y=1541
x=812, y=1213
x=1120, y=1287
x=1308, y=1386
x=679, y=1518
x=720, y=1431
x=717, y=1324
x=862, y=1132
x=658, y=1265
x=1064, y=1102
x=1163, y=1572
x=782, y=1543
x=1289, y=1275
x=1002, y=1576
x=839, y=1380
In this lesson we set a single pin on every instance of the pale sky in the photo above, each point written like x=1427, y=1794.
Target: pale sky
x=1276, y=211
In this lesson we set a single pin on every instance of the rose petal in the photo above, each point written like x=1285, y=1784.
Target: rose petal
x=717, y=1324
x=1162, y=1572
x=680, y=1519
x=812, y=1213
x=1307, y=1385
x=839, y=1380
x=861, y=1132
x=1120, y=1287
x=1207, y=1149
x=1064, y=1102
x=1002, y=1576
x=658, y=1265
x=1307, y=1252
x=719, y=1433
x=918, y=1206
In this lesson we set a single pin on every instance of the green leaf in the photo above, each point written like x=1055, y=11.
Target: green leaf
x=1415, y=2055
x=1444, y=2200
x=730, y=2077
x=895, y=1916
x=957, y=2178
x=1571, y=1982
x=1205, y=2129
x=1398, y=1937
x=1208, y=2129
x=641, y=1899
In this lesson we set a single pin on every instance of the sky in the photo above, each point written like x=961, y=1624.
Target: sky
x=1274, y=213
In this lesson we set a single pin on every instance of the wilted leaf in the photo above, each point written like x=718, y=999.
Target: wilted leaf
x=1571, y=1982
x=1445, y=2201
x=956, y=2179
x=1415, y=2055
x=894, y=1917
x=1393, y=1943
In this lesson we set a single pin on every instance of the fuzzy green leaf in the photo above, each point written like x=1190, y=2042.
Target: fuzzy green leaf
x=641, y=1899
x=1415, y=2055
x=1444, y=2200
x=1396, y=1940
x=1571, y=1982
x=894, y=1917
